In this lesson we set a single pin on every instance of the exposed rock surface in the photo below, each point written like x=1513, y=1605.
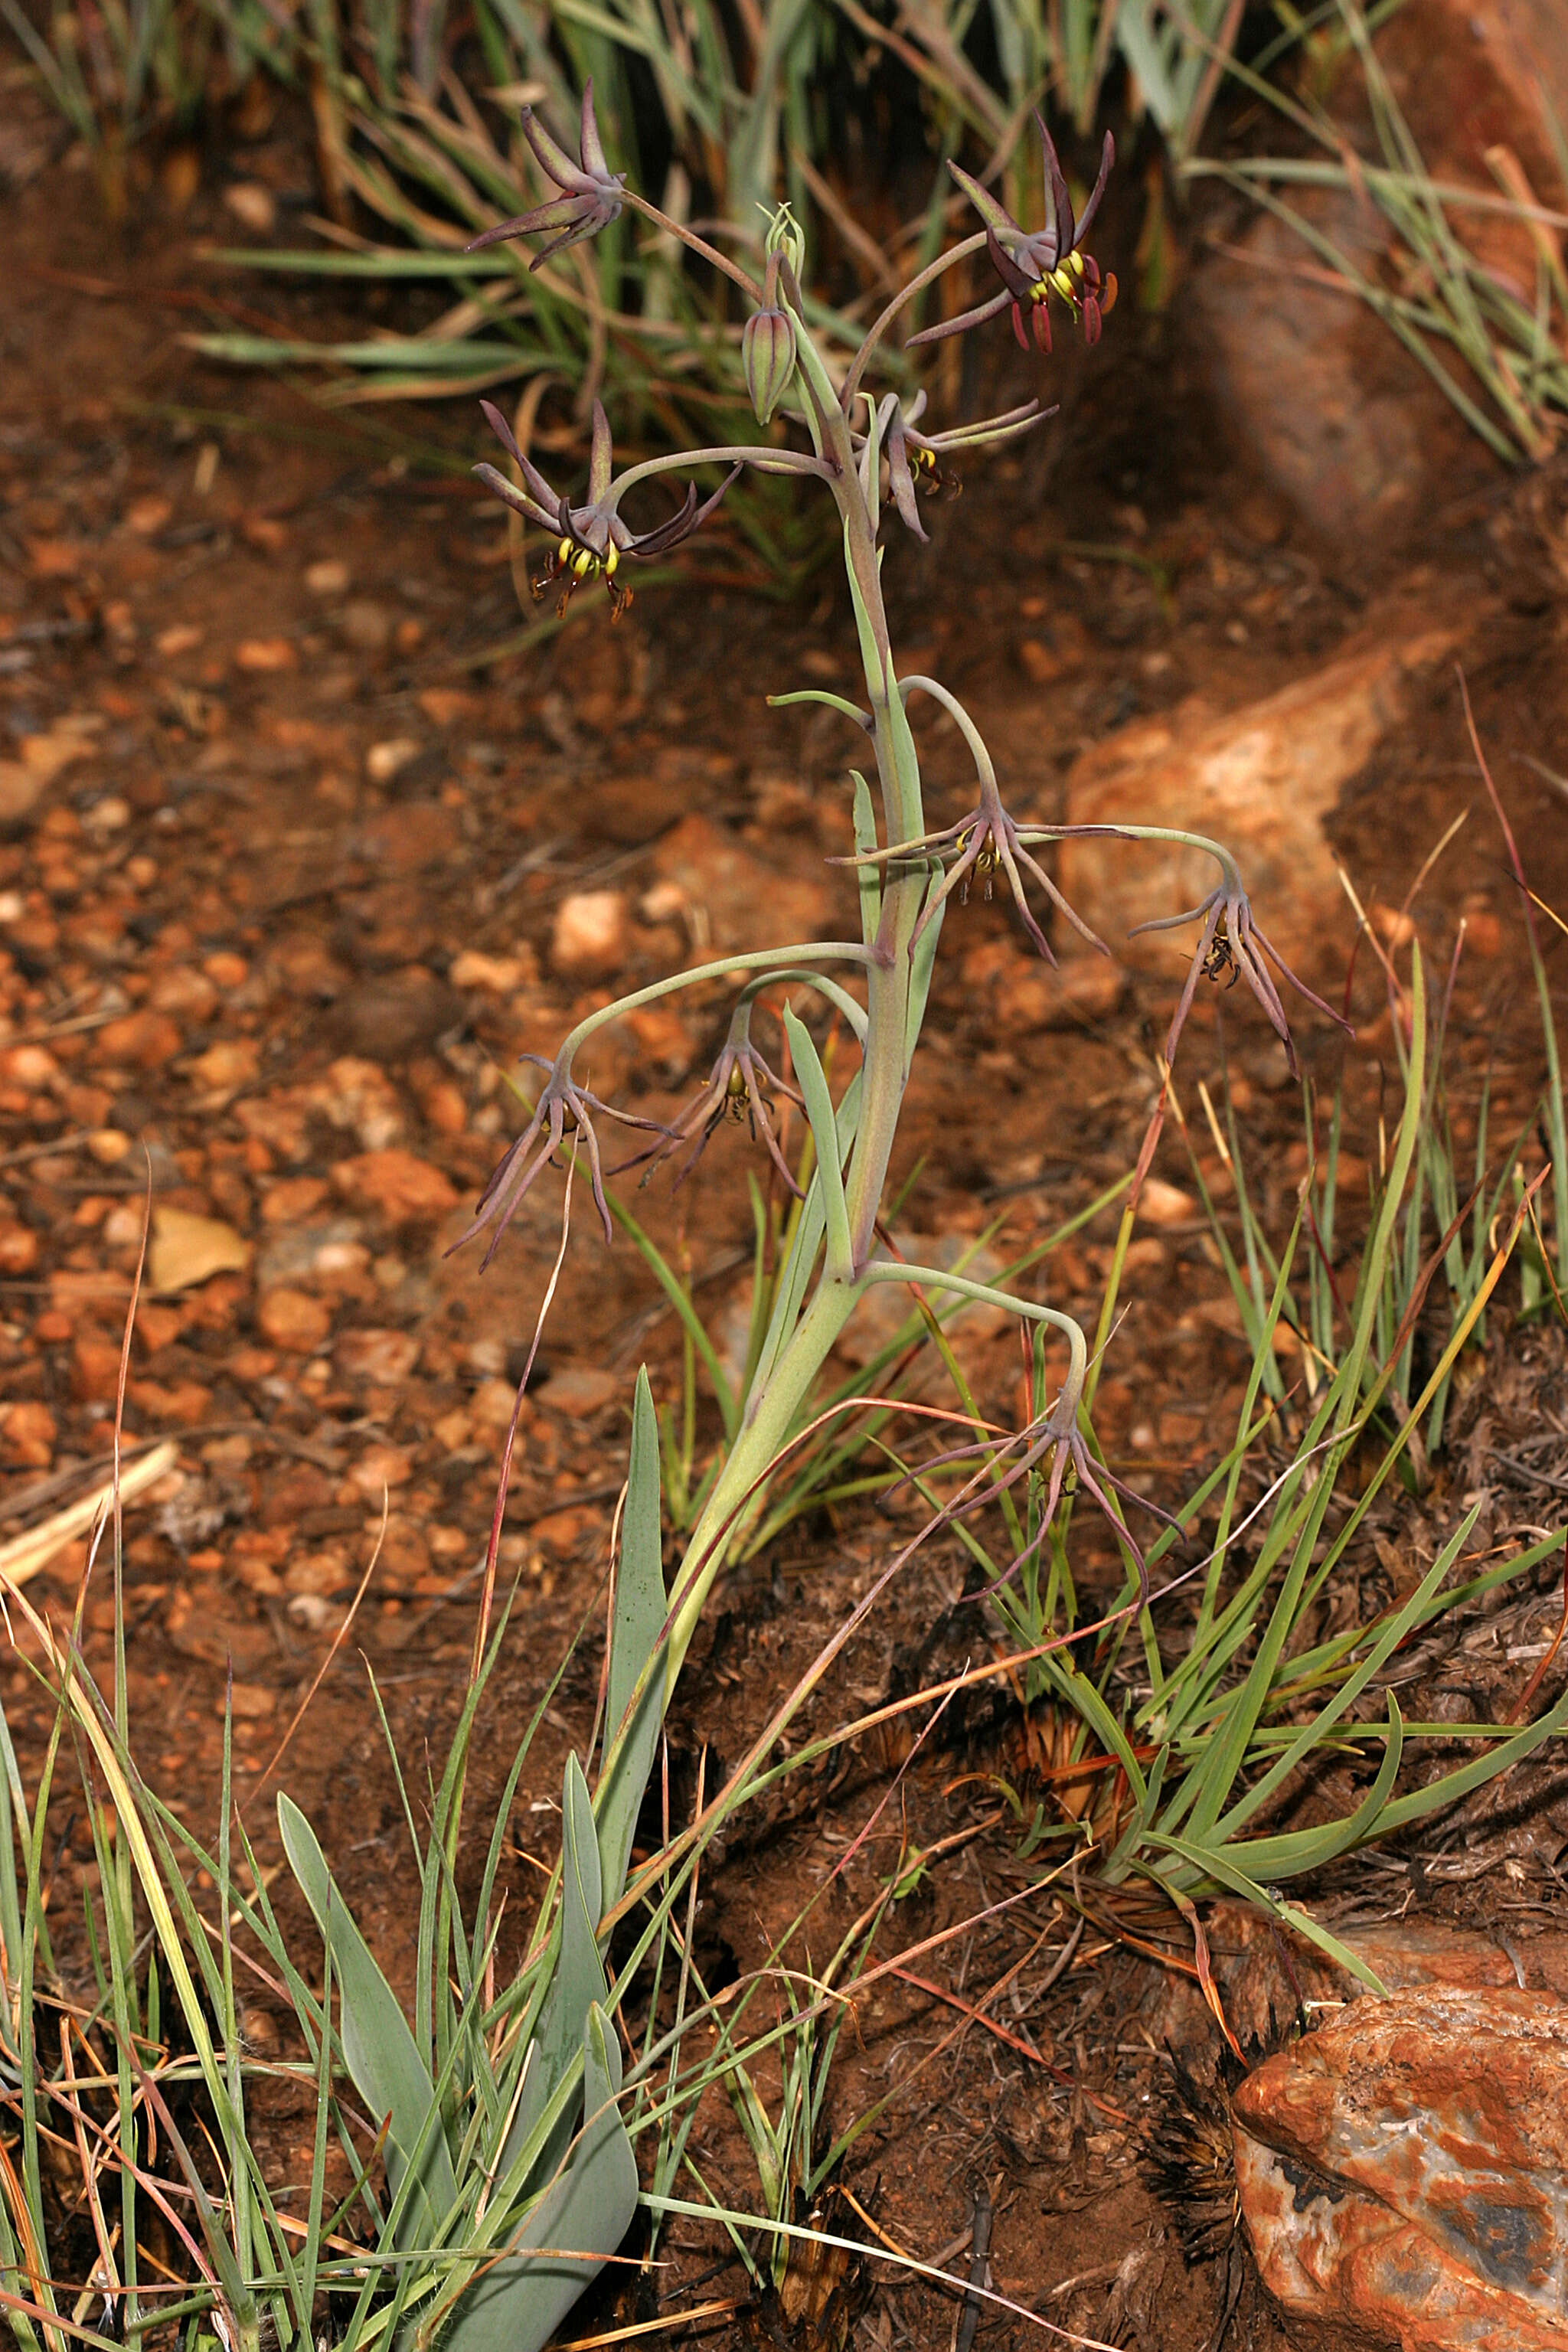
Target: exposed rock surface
x=1403, y=2174
x=1260, y=781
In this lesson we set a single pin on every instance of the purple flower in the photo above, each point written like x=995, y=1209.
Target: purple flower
x=563, y=1108
x=592, y=538
x=740, y=1086
x=914, y=457
x=1230, y=947
x=1033, y=267
x=590, y=196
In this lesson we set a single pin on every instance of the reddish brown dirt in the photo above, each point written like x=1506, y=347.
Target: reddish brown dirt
x=232, y=937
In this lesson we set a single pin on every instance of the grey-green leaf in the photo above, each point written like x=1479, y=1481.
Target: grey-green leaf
x=579, y=1980
x=641, y=1607
x=379, y=2050
x=577, y=2223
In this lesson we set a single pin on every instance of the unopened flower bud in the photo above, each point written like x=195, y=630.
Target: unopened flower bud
x=786, y=238
x=767, y=355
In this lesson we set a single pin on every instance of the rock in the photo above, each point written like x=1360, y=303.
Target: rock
x=144, y=1040
x=592, y=935
x=495, y=975
x=224, y=1068
x=328, y=578
x=577, y=1390
x=185, y=992
x=28, y=1433
x=1403, y=2174
x=1159, y=1203
x=290, y=1198
x=322, y=1571
x=249, y=1702
x=395, y=1184
x=366, y=625
x=253, y=204
x=393, y=1013
x=741, y=902
x=382, y=761
x=1029, y=993
x=19, y=1248
x=380, y=1467
x=383, y=1359
x=264, y=656
x=187, y=1249
x=358, y=1096
x=293, y=1320
x=1260, y=781
x=1363, y=444
x=292, y=1253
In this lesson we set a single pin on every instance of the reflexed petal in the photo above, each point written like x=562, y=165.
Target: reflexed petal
x=601, y=463
x=553, y=161
x=1059, y=227
x=594, y=158
x=901, y=484
x=517, y=499
x=1107, y=158
x=558, y=210
x=993, y=214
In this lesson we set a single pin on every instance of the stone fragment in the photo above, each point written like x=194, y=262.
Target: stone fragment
x=382, y=761
x=264, y=656
x=389, y=1013
x=253, y=204
x=591, y=936
x=28, y=1432
x=1403, y=2174
x=330, y=577
x=293, y=1320
x=19, y=1248
x=577, y=1390
x=366, y=625
x=1260, y=781
x=1159, y=1203
x=395, y=1184
x=738, y=900
x=379, y=1467
x=384, y=1358
x=187, y=1249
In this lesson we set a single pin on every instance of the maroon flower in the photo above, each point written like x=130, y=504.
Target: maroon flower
x=592, y=538
x=1033, y=267
x=590, y=196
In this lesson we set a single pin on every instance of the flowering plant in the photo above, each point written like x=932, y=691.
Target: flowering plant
x=866, y=451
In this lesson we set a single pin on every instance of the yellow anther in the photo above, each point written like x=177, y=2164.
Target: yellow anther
x=564, y=552
x=611, y=560
x=1062, y=284
x=1075, y=263
x=583, y=563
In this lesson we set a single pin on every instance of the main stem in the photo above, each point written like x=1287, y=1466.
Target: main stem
x=778, y=1397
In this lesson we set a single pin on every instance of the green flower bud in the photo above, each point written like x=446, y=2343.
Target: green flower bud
x=786, y=238
x=767, y=356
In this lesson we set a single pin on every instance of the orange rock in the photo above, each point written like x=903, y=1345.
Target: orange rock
x=1403, y=2172
x=262, y=654
x=18, y=1249
x=95, y=1368
x=27, y=1434
x=292, y=1199
x=395, y=1183
x=381, y=1466
x=146, y=1040
x=293, y=1320
x=384, y=1358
